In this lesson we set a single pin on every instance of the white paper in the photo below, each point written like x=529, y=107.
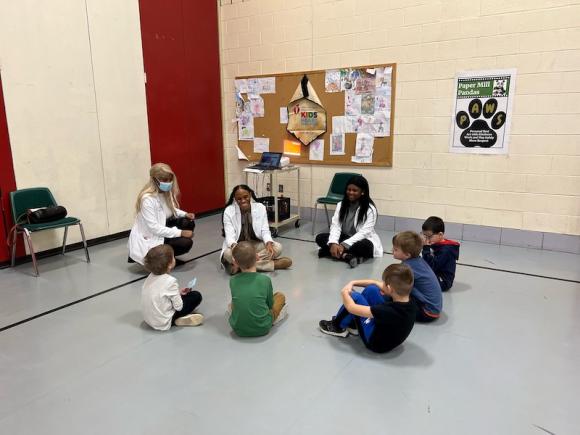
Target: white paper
x=337, y=144
x=241, y=155
x=364, y=145
x=356, y=159
x=254, y=86
x=245, y=126
x=261, y=144
x=283, y=115
x=257, y=106
x=352, y=103
x=382, y=121
x=316, y=151
x=332, y=80
x=241, y=86
x=267, y=85
x=338, y=124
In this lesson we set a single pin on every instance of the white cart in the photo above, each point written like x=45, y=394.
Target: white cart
x=294, y=217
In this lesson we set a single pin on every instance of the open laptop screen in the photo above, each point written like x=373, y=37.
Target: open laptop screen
x=270, y=159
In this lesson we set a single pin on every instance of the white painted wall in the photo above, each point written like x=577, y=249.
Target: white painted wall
x=536, y=187
x=72, y=72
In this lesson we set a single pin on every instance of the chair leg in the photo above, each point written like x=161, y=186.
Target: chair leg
x=64, y=240
x=31, y=248
x=85, y=242
x=14, y=239
x=327, y=218
x=314, y=220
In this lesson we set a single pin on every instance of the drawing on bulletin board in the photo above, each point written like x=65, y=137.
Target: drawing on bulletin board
x=345, y=116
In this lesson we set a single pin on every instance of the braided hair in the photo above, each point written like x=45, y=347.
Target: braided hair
x=364, y=201
x=233, y=197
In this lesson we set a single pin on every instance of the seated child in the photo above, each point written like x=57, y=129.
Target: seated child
x=382, y=314
x=254, y=308
x=162, y=302
x=439, y=253
x=426, y=293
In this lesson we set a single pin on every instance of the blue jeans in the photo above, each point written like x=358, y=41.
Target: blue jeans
x=370, y=296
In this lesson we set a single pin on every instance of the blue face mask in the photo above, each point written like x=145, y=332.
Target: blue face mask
x=164, y=186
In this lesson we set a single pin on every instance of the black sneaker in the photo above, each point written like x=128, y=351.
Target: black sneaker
x=328, y=327
x=130, y=260
x=351, y=260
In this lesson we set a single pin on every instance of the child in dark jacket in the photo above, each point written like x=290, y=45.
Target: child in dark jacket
x=440, y=253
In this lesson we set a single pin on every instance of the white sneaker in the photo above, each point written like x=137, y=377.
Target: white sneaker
x=282, y=315
x=189, y=320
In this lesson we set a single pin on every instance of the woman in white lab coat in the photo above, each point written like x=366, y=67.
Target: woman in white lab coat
x=352, y=236
x=245, y=219
x=159, y=219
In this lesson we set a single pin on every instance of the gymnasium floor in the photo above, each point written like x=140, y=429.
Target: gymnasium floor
x=503, y=359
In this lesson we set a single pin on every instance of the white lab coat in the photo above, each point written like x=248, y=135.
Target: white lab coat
x=363, y=231
x=233, y=224
x=149, y=229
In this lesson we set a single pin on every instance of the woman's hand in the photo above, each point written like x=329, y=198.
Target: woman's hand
x=190, y=216
x=270, y=249
x=186, y=233
x=334, y=250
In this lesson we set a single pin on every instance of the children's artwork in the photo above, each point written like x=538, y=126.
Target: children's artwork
x=267, y=85
x=367, y=106
x=357, y=159
x=240, y=103
x=338, y=124
x=316, y=151
x=365, y=83
x=283, y=115
x=261, y=144
x=345, y=80
x=364, y=145
x=382, y=99
x=352, y=124
x=382, y=124
x=332, y=80
x=246, y=126
x=241, y=86
x=337, y=144
x=256, y=106
x=383, y=77
x=352, y=103
x=254, y=86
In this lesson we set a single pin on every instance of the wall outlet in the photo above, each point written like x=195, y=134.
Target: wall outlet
x=268, y=187
x=280, y=188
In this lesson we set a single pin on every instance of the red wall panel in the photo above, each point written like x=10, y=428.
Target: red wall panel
x=7, y=180
x=181, y=57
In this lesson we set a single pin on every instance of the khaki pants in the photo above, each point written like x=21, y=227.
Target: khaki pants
x=279, y=301
x=264, y=264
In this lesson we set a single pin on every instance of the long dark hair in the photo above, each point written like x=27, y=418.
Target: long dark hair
x=232, y=198
x=364, y=201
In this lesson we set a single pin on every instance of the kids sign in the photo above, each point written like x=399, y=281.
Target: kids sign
x=483, y=111
x=306, y=116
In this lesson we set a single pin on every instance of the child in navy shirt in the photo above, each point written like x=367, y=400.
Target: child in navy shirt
x=426, y=293
x=439, y=253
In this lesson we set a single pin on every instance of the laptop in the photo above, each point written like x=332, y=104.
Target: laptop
x=268, y=161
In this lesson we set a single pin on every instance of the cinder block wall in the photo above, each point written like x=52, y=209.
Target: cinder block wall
x=536, y=187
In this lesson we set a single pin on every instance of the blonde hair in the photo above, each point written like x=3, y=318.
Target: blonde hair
x=409, y=242
x=245, y=255
x=160, y=170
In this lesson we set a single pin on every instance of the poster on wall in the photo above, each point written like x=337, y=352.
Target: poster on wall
x=482, y=111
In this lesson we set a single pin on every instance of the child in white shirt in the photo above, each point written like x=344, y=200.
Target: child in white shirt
x=162, y=302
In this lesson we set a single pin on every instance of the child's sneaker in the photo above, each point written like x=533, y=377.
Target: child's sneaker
x=189, y=320
x=328, y=327
x=282, y=315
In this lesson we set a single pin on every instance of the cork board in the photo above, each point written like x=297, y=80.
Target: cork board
x=270, y=127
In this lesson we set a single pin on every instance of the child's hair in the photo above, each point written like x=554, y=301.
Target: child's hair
x=400, y=278
x=434, y=224
x=157, y=171
x=409, y=242
x=365, y=200
x=232, y=199
x=245, y=255
x=158, y=259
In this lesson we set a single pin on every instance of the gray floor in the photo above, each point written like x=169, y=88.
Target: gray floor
x=503, y=359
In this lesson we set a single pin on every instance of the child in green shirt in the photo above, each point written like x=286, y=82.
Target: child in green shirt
x=255, y=307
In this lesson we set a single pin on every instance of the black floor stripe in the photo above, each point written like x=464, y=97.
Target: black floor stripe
x=86, y=298
x=495, y=269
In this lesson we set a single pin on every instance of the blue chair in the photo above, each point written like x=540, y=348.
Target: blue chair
x=36, y=197
x=334, y=195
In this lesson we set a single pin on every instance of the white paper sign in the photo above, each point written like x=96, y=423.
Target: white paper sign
x=261, y=144
x=283, y=115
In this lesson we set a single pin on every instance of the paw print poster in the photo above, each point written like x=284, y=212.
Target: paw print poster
x=483, y=111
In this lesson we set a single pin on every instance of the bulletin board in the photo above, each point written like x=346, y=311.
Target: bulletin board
x=269, y=126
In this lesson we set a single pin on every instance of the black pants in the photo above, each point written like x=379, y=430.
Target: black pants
x=361, y=249
x=190, y=303
x=180, y=245
x=422, y=316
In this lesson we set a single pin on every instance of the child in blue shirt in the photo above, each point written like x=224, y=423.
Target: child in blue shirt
x=426, y=293
x=439, y=253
